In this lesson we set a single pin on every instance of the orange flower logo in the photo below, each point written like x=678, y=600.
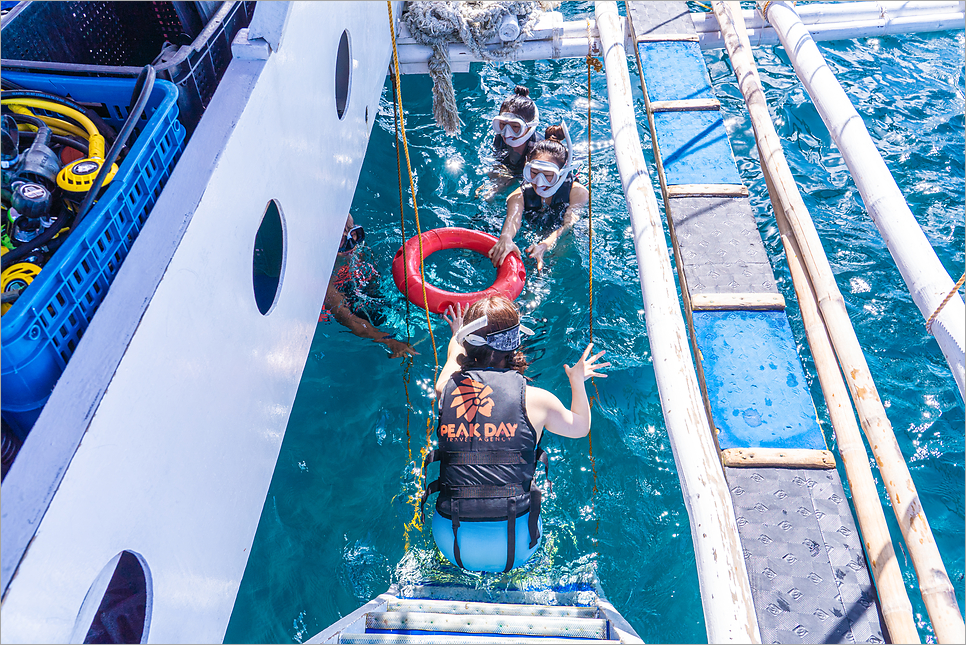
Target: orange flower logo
x=471, y=397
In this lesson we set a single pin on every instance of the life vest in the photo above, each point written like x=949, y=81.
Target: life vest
x=550, y=216
x=487, y=454
x=513, y=160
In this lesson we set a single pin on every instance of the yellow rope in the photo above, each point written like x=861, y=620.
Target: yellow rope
x=591, y=63
x=948, y=297
x=398, y=109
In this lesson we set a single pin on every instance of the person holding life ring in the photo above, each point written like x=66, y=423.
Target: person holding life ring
x=514, y=136
x=548, y=200
x=490, y=425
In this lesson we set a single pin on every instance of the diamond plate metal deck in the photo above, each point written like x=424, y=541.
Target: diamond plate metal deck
x=808, y=573
x=719, y=244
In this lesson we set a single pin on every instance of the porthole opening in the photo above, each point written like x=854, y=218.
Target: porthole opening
x=268, y=258
x=343, y=74
x=122, y=595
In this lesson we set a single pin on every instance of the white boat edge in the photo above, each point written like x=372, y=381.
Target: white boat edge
x=193, y=444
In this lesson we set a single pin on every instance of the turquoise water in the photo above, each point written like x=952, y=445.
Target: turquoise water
x=333, y=529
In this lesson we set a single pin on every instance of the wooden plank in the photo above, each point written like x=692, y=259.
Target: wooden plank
x=707, y=190
x=661, y=38
x=660, y=20
x=777, y=458
x=745, y=301
x=685, y=104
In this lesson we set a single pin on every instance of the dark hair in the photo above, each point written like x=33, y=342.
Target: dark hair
x=551, y=145
x=501, y=313
x=520, y=103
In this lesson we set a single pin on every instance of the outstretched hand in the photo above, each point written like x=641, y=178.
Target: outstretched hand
x=398, y=348
x=536, y=252
x=586, y=368
x=454, y=317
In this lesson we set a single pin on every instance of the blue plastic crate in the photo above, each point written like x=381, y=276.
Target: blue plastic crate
x=41, y=331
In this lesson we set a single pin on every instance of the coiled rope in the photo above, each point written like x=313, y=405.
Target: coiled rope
x=399, y=115
x=437, y=24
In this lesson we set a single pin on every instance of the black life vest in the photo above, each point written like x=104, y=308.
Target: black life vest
x=487, y=454
x=550, y=216
x=513, y=160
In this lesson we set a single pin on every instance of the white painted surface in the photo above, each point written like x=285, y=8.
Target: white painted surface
x=177, y=460
x=729, y=611
x=923, y=273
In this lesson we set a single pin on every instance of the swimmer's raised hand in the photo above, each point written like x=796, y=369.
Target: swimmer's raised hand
x=398, y=348
x=586, y=368
x=537, y=251
x=454, y=317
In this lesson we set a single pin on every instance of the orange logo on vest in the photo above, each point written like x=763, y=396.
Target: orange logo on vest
x=471, y=397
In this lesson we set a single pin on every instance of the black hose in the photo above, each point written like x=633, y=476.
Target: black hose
x=27, y=248
x=106, y=131
x=71, y=142
x=146, y=84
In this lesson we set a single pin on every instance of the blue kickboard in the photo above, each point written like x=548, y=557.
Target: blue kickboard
x=674, y=70
x=695, y=148
x=757, y=388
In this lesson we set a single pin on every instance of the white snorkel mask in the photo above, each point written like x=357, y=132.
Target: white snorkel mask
x=514, y=130
x=505, y=340
x=535, y=172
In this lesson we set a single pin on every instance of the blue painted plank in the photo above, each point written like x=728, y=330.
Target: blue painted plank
x=695, y=148
x=674, y=70
x=756, y=385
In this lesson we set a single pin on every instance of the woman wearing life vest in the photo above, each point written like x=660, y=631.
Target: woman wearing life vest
x=490, y=424
x=515, y=134
x=548, y=200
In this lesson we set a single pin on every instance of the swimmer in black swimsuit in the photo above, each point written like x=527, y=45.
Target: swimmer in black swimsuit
x=515, y=135
x=548, y=199
x=351, y=289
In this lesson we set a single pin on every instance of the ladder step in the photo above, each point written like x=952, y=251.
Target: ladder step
x=489, y=608
x=445, y=639
x=503, y=625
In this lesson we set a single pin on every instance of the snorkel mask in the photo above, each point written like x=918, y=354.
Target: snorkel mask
x=505, y=340
x=355, y=236
x=545, y=177
x=514, y=129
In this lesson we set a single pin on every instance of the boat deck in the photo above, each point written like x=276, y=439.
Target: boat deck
x=808, y=573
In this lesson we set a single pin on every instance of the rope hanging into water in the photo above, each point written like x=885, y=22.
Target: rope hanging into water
x=948, y=297
x=437, y=24
x=401, y=120
x=595, y=64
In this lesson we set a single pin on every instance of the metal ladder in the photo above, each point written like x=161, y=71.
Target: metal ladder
x=442, y=619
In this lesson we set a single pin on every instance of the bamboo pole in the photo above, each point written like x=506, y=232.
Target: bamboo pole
x=937, y=592
x=726, y=598
x=925, y=276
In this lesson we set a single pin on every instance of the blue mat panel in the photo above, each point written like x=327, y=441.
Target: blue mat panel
x=756, y=385
x=689, y=78
x=695, y=148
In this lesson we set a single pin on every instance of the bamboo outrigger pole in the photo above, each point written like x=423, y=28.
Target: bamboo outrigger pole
x=818, y=292
x=726, y=599
x=923, y=273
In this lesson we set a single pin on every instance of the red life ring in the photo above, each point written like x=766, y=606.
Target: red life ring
x=510, y=277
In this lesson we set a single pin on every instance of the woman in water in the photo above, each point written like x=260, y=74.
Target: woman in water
x=515, y=134
x=548, y=200
x=490, y=423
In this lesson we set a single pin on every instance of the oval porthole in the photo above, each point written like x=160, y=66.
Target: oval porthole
x=343, y=74
x=268, y=258
x=117, y=608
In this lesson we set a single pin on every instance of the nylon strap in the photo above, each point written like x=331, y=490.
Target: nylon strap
x=511, y=532
x=456, y=526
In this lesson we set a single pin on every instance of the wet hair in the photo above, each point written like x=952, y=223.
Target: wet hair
x=520, y=103
x=552, y=146
x=501, y=313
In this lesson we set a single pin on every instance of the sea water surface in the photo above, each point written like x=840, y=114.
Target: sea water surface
x=337, y=529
